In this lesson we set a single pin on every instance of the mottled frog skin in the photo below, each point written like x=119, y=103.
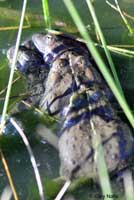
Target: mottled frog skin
x=64, y=81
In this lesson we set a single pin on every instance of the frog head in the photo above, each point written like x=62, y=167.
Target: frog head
x=53, y=46
x=47, y=45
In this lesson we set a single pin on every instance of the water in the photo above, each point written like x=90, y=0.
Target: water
x=47, y=157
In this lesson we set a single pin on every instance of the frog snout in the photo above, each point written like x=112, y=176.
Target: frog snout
x=38, y=40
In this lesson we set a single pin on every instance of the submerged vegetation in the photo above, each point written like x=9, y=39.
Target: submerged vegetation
x=50, y=188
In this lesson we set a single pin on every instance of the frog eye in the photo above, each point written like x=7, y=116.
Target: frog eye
x=48, y=36
x=48, y=39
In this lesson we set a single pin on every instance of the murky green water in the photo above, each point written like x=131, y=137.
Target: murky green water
x=115, y=33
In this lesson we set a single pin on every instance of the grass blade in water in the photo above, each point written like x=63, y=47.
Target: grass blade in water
x=13, y=67
x=46, y=14
x=108, y=55
x=77, y=20
x=102, y=66
x=32, y=158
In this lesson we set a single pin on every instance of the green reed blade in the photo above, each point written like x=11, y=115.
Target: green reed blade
x=103, y=41
x=32, y=158
x=124, y=18
x=13, y=67
x=102, y=66
x=102, y=169
x=46, y=14
x=101, y=165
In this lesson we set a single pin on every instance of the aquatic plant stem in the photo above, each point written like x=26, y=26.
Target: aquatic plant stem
x=99, y=155
x=12, y=68
x=46, y=14
x=102, y=66
x=99, y=159
x=108, y=55
x=123, y=18
x=5, y=89
x=32, y=158
x=4, y=162
x=63, y=190
x=122, y=14
x=6, y=194
x=128, y=184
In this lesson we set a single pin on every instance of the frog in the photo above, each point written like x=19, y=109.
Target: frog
x=60, y=82
x=75, y=92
